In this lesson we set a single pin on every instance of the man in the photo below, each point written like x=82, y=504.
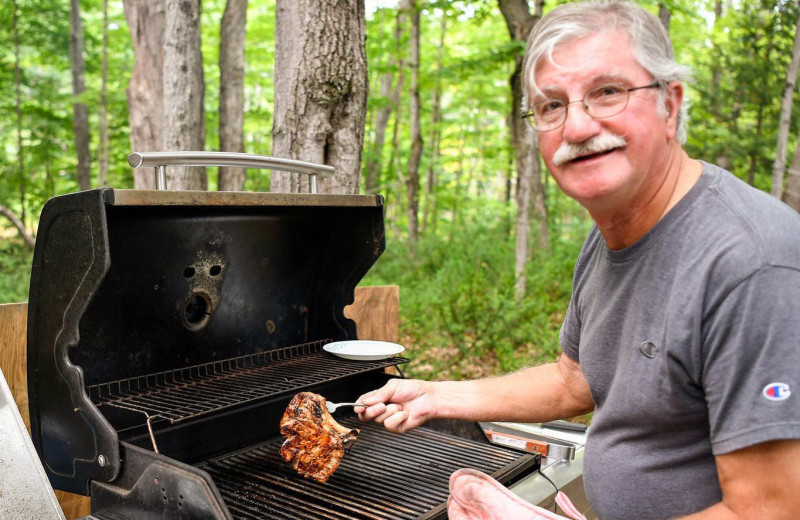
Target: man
x=683, y=331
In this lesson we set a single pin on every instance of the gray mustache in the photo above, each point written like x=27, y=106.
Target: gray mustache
x=599, y=143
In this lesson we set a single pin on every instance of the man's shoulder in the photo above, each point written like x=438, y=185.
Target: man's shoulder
x=749, y=219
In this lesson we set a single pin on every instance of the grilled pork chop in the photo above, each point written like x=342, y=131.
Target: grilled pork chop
x=315, y=443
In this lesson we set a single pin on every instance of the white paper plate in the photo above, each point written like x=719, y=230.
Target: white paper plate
x=364, y=350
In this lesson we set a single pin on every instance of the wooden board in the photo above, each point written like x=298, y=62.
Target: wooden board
x=13, y=359
x=375, y=311
x=13, y=333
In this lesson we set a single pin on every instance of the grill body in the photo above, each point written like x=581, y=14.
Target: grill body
x=167, y=333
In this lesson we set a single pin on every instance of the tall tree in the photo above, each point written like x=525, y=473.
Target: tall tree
x=80, y=112
x=412, y=179
x=786, y=115
x=389, y=97
x=184, y=91
x=146, y=19
x=664, y=15
x=22, y=176
x=231, y=90
x=321, y=89
x=520, y=22
x=792, y=194
x=429, y=209
x=102, y=131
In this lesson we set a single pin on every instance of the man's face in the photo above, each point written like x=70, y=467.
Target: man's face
x=620, y=174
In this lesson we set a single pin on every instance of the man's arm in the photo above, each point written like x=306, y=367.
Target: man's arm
x=552, y=391
x=761, y=482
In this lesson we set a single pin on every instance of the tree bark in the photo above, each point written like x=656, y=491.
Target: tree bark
x=321, y=87
x=792, y=194
x=520, y=22
x=17, y=223
x=184, y=91
x=374, y=165
x=432, y=177
x=412, y=180
x=146, y=20
x=664, y=16
x=779, y=165
x=103, y=141
x=80, y=112
x=22, y=176
x=231, y=90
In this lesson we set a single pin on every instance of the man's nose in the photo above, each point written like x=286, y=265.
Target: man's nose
x=579, y=125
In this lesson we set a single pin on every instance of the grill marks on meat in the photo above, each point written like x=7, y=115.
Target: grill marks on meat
x=315, y=443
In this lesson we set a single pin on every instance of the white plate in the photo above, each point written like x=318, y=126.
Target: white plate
x=363, y=350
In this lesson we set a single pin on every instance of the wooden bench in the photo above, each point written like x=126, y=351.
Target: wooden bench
x=375, y=311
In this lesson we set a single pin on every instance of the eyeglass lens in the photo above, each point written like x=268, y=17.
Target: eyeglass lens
x=600, y=102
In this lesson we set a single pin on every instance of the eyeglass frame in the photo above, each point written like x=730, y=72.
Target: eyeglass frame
x=530, y=117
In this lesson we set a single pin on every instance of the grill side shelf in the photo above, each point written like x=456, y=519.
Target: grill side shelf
x=197, y=390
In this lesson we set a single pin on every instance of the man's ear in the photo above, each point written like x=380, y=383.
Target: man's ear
x=673, y=102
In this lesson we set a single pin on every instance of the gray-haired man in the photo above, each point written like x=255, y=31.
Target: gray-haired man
x=683, y=332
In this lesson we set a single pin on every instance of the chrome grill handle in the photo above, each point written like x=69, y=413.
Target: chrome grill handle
x=160, y=161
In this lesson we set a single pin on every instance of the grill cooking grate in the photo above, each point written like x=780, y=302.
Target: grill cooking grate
x=385, y=476
x=201, y=389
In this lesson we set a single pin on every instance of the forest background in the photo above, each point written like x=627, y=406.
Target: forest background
x=462, y=311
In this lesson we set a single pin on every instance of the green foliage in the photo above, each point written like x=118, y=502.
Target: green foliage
x=459, y=316
x=15, y=269
x=457, y=306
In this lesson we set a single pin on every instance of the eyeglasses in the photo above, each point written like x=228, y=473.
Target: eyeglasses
x=600, y=103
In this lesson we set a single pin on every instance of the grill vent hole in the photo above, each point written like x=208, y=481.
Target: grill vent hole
x=196, y=312
x=215, y=270
x=188, y=272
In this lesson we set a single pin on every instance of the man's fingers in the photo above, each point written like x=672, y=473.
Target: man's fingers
x=395, y=422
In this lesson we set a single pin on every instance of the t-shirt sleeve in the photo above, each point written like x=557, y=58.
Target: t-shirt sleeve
x=569, y=336
x=751, y=361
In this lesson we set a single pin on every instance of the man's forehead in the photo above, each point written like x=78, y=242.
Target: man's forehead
x=603, y=53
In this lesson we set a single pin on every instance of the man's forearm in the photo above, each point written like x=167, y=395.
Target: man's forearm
x=536, y=394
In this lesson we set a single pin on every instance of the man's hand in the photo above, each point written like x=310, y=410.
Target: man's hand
x=761, y=482
x=400, y=405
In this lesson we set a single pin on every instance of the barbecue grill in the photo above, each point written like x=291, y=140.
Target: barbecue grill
x=167, y=332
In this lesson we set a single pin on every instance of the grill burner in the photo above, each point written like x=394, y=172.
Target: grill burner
x=384, y=476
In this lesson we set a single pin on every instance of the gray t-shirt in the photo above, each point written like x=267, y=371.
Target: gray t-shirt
x=690, y=342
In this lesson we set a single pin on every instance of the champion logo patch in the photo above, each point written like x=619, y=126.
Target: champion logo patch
x=776, y=391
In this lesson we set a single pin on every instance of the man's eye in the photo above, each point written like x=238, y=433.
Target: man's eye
x=548, y=107
x=607, y=90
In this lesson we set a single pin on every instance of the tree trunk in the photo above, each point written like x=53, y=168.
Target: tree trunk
x=432, y=178
x=146, y=19
x=321, y=87
x=374, y=166
x=103, y=141
x=529, y=176
x=231, y=90
x=80, y=112
x=412, y=180
x=17, y=223
x=786, y=116
x=664, y=16
x=22, y=176
x=792, y=194
x=184, y=91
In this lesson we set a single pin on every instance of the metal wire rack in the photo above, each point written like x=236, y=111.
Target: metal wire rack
x=188, y=392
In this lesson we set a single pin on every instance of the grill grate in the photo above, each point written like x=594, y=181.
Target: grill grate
x=385, y=476
x=201, y=389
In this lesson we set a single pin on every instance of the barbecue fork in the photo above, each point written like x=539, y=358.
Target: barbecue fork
x=333, y=406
